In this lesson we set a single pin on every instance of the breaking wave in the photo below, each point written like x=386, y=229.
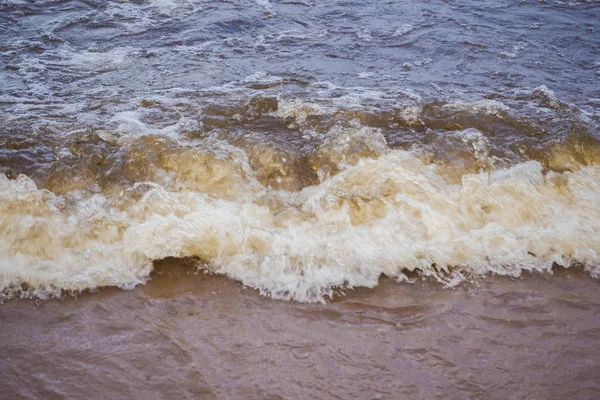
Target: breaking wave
x=336, y=207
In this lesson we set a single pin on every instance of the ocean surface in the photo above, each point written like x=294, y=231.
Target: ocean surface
x=300, y=199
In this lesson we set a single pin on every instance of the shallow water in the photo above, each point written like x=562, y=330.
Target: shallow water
x=186, y=335
x=305, y=150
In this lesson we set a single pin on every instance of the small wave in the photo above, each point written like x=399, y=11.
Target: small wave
x=375, y=211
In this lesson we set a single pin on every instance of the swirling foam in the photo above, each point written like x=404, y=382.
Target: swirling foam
x=383, y=213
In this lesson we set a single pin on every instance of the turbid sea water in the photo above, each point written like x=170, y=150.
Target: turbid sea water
x=299, y=199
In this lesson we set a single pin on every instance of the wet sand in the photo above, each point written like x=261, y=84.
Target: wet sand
x=190, y=335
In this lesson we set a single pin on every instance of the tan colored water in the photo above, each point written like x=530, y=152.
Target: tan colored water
x=189, y=335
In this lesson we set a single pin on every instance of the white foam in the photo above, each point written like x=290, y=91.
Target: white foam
x=378, y=216
x=265, y=4
x=97, y=60
x=403, y=30
x=486, y=106
x=300, y=110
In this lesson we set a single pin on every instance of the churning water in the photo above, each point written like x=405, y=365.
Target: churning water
x=302, y=148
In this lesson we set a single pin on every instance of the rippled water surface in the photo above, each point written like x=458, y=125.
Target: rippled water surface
x=185, y=335
x=378, y=165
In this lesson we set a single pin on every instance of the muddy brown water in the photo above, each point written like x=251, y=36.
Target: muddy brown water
x=190, y=335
